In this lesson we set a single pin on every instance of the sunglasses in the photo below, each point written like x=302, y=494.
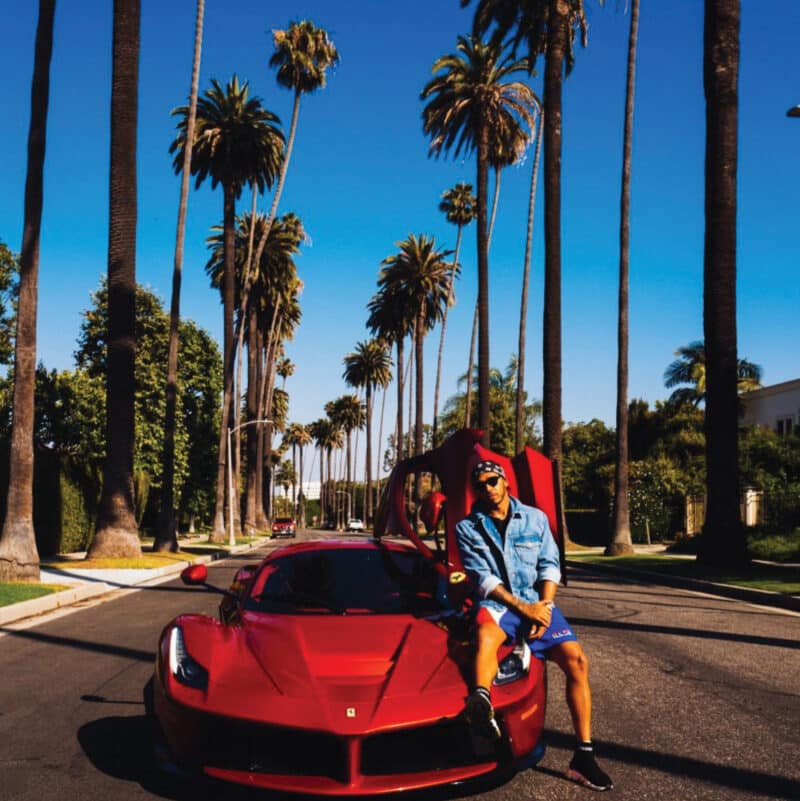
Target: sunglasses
x=490, y=482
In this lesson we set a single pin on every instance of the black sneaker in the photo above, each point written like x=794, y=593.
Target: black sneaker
x=584, y=770
x=479, y=714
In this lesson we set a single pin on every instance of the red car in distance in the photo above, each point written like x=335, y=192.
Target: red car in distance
x=284, y=527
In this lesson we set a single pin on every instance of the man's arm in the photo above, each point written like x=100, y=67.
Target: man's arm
x=538, y=613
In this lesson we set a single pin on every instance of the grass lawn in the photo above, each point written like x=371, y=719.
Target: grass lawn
x=12, y=592
x=776, y=578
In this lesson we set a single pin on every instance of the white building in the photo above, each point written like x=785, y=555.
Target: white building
x=777, y=407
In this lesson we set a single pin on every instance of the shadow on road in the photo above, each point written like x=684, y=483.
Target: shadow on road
x=762, y=784
x=753, y=639
x=85, y=645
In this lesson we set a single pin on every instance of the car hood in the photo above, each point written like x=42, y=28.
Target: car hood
x=346, y=674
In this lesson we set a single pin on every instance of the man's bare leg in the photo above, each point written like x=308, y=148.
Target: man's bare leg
x=478, y=710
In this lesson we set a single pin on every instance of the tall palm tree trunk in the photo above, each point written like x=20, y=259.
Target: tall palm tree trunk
x=116, y=530
x=19, y=558
x=723, y=542
x=418, y=358
x=368, y=457
x=620, y=542
x=483, y=287
x=228, y=286
x=400, y=382
x=252, y=434
x=166, y=530
x=519, y=413
x=476, y=315
x=450, y=286
x=553, y=78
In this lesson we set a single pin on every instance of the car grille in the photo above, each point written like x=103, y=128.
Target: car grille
x=444, y=745
x=255, y=748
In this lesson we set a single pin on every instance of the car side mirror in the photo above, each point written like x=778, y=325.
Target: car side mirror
x=194, y=575
x=431, y=510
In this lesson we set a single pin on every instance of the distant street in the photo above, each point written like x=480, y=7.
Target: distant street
x=695, y=697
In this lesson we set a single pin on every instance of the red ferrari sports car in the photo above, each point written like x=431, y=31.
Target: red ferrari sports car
x=342, y=667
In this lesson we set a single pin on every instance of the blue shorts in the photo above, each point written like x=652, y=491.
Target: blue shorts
x=516, y=627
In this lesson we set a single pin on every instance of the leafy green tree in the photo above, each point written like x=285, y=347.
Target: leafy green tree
x=9, y=288
x=690, y=368
x=199, y=381
x=468, y=99
x=502, y=396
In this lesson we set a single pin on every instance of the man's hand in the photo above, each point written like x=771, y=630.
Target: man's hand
x=538, y=613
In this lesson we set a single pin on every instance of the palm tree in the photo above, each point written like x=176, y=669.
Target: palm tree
x=390, y=322
x=347, y=413
x=368, y=366
x=690, y=368
x=544, y=26
x=319, y=431
x=19, y=558
x=237, y=141
x=620, y=542
x=272, y=306
x=459, y=207
x=418, y=276
x=166, y=533
x=296, y=435
x=115, y=528
x=519, y=413
x=723, y=542
x=303, y=54
x=467, y=100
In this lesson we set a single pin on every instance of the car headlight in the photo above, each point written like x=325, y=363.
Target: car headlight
x=515, y=665
x=185, y=669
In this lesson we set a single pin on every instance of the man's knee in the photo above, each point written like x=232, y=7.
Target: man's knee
x=490, y=635
x=573, y=661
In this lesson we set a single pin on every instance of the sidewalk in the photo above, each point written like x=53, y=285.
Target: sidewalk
x=762, y=597
x=93, y=583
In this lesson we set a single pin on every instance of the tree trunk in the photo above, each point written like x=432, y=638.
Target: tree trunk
x=400, y=381
x=620, y=542
x=418, y=357
x=228, y=285
x=450, y=286
x=116, y=533
x=471, y=367
x=483, y=288
x=368, y=499
x=253, y=432
x=519, y=414
x=166, y=529
x=19, y=558
x=723, y=541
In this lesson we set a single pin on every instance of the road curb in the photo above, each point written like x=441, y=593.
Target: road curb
x=95, y=586
x=762, y=597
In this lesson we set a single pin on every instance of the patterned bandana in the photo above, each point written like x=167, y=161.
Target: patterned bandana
x=487, y=466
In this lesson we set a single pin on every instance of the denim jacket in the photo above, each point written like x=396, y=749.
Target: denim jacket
x=528, y=555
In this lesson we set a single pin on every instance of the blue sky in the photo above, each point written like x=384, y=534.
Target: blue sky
x=361, y=179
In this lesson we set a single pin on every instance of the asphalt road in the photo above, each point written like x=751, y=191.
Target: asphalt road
x=695, y=697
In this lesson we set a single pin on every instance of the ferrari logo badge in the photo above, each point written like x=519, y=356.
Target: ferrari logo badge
x=351, y=712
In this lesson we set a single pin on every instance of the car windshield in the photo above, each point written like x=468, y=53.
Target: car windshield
x=352, y=580
x=283, y=521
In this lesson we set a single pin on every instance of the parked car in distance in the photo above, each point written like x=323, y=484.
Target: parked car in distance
x=329, y=525
x=354, y=524
x=284, y=527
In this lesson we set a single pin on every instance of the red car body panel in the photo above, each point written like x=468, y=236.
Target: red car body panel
x=347, y=704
